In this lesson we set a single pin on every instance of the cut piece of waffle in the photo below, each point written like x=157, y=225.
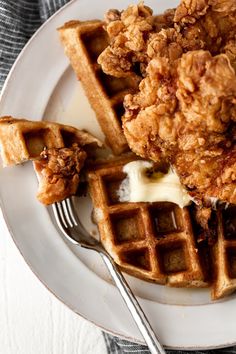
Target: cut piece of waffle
x=225, y=254
x=83, y=42
x=23, y=140
x=57, y=151
x=153, y=241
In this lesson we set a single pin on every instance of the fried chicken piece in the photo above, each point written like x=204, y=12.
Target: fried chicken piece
x=212, y=21
x=58, y=171
x=137, y=36
x=189, y=11
x=220, y=12
x=128, y=40
x=185, y=110
x=166, y=43
x=185, y=113
x=162, y=21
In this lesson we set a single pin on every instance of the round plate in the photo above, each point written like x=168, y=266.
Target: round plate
x=41, y=85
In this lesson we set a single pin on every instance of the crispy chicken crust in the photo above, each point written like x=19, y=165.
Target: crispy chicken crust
x=185, y=110
x=58, y=170
x=185, y=113
x=137, y=36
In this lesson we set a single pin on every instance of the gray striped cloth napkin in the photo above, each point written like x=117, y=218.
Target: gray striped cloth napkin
x=19, y=19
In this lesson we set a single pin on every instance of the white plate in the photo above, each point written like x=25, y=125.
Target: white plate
x=41, y=85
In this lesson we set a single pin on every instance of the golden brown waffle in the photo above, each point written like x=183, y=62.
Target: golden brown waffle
x=23, y=140
x=153, y=241
x=57, y=151
x=158, y=241
x=83, y=42
x=225, y=254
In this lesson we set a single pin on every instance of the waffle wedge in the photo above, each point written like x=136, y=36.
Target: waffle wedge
x=159, y=241
x=58, y=153
x=83, y=42
x=23, y=140
x=153, y=241
x=225, y=254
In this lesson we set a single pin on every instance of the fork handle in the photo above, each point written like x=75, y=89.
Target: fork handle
x=135, y=309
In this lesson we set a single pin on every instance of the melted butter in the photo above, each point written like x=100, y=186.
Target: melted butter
x=158, y=187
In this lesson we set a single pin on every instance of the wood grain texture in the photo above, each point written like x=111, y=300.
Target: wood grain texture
x=32, y=320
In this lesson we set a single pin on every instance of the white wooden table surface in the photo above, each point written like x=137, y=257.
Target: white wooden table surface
x=32, y=320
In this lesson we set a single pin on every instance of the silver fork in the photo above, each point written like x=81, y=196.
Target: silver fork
x=70, y=225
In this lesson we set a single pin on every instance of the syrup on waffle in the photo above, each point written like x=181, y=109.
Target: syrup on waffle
x=83, y=42
x=153, y=241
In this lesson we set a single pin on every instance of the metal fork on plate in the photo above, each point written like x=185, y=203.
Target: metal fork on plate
x=70, y=225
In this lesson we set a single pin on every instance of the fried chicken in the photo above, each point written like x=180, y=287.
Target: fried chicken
x=212, y=21
x=186, y=114
x=58, y=171
x=185, y=110
x=129, y=32
x=137, y=36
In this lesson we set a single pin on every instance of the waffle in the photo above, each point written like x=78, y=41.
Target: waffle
x=225, y=254
x=158, y=241
x=153, y=241
x=83, y=42
x=22, y=140
x=57, y=151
